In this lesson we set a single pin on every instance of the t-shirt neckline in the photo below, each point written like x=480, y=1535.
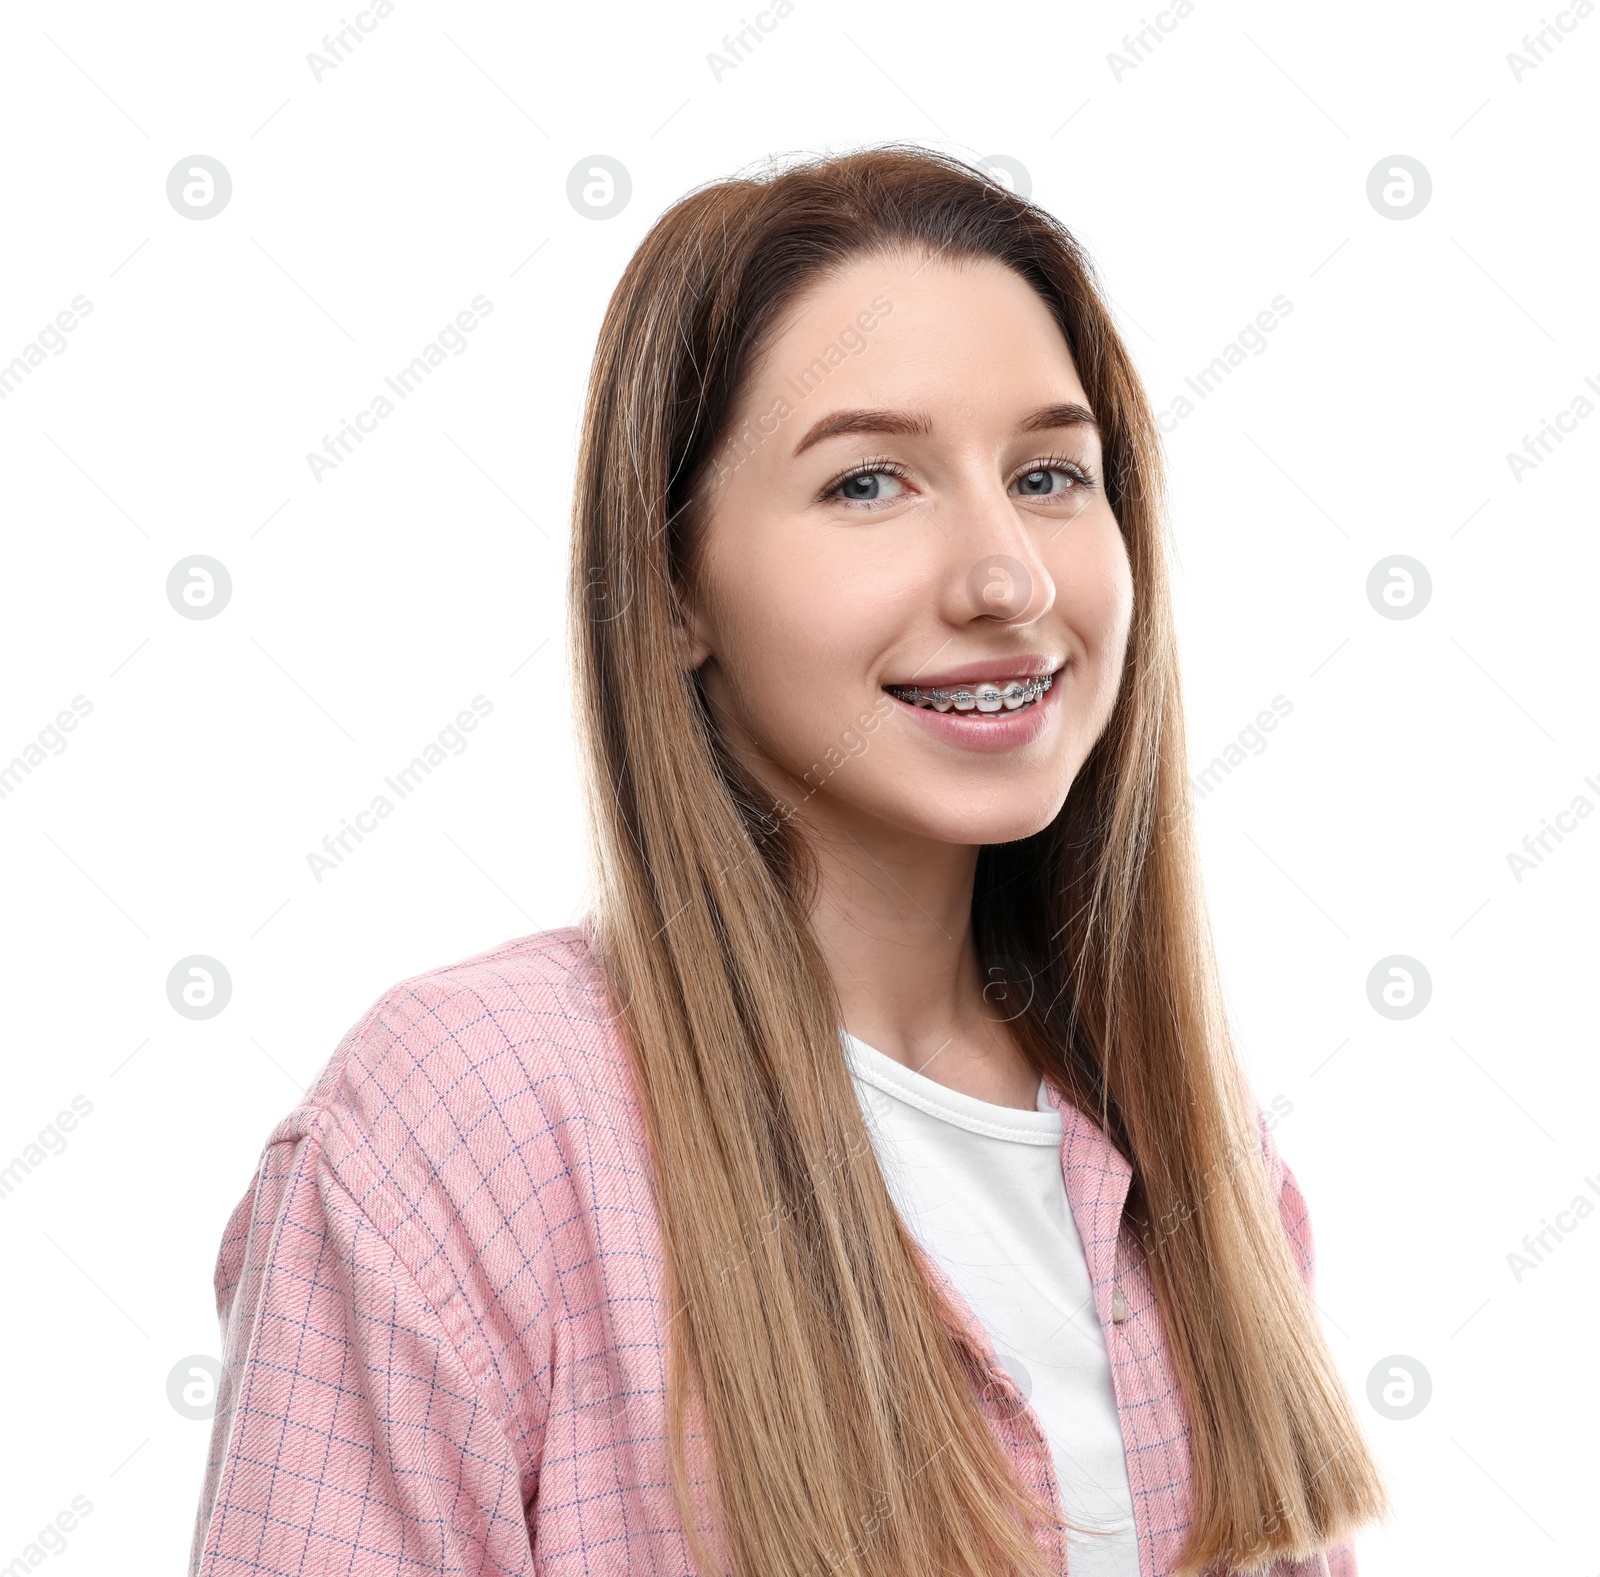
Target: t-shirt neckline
x=877, y=1068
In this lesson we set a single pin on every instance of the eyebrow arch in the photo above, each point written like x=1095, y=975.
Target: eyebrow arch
x=911, y=423
x=916, y=424
x=1069, y=415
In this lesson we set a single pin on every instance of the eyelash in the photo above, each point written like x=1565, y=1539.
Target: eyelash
x=886, y=467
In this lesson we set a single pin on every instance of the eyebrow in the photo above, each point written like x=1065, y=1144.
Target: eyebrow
x=917, y=424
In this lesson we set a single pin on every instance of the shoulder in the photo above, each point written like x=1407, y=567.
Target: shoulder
x=539, y=1004
x=454, y=1148
x=478, y=1068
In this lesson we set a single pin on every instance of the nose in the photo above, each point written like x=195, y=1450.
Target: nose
x=1002, y=587
x=995, y=570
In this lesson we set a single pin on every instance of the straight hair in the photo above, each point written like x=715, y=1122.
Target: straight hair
x=845, y=1422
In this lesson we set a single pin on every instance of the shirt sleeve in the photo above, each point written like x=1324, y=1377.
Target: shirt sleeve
x=350, y=1435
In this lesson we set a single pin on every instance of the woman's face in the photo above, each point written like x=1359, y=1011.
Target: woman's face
x=912, y=498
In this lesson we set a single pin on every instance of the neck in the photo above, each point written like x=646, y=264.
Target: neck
x=893, y=917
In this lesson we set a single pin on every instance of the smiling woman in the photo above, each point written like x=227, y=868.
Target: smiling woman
x=868, y=1185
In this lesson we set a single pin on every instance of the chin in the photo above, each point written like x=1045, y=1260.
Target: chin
x=1006, y=821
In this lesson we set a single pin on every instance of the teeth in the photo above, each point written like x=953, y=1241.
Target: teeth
x=986, y=697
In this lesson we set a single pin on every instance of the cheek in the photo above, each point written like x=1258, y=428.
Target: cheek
x=794, y=628
x=782, y=612
x=814, y=602
x=1094, y=591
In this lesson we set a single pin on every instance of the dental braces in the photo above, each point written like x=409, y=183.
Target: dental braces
x=1016, y=690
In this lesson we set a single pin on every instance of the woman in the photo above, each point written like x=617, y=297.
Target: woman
x=867, y=1186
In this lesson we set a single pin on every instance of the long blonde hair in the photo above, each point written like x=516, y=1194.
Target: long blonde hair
x=833, y=1396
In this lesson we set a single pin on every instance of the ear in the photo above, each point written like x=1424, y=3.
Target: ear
x=692, y=634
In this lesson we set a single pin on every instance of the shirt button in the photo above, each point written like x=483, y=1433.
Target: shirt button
x=1119, y=1306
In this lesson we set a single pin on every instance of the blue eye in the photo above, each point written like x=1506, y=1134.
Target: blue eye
x=879, y=485
x=1038, y=482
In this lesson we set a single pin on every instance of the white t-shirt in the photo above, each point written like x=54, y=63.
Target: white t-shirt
x=980, y=1188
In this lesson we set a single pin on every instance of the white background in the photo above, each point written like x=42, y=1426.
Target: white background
x=369, y=208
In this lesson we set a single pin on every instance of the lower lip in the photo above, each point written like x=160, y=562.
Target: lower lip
x=990, y=731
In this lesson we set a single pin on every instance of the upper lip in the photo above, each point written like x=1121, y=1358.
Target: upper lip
x=989, y=668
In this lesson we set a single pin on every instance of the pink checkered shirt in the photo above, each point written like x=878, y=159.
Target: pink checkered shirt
x=442, y=1312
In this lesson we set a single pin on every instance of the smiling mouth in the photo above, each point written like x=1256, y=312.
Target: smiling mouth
x=988, y=698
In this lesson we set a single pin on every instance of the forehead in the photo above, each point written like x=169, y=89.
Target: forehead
x=886, y=321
